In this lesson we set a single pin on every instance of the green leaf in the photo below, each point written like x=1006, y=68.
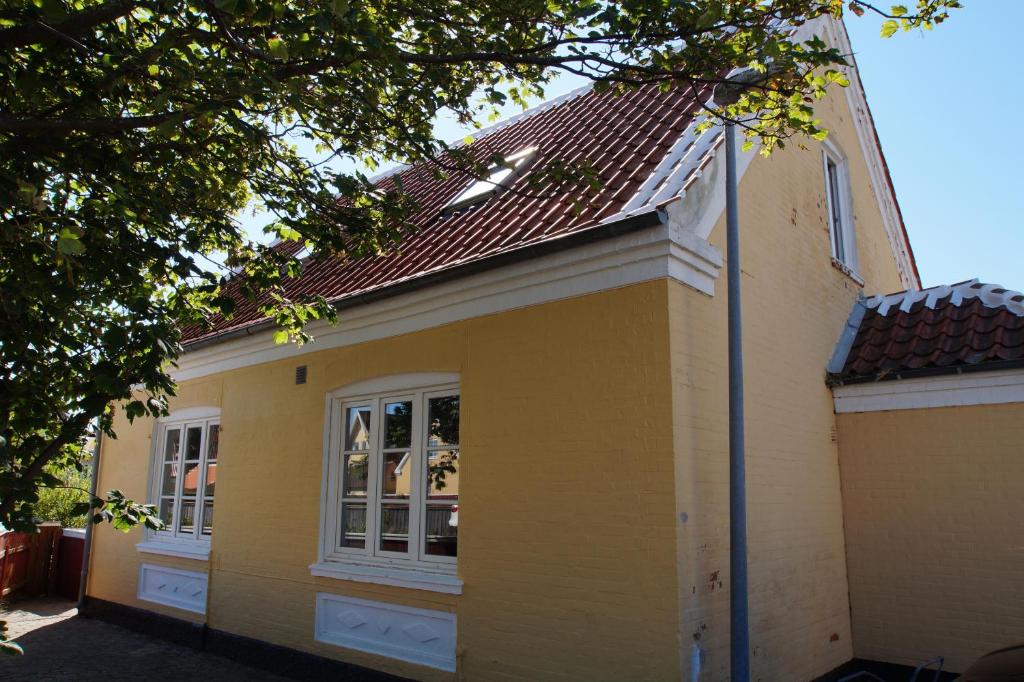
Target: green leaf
x=889, y=28
x=280, y=337
x=278, y=48
x=68, y=243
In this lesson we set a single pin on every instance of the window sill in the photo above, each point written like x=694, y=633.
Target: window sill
x=175, y=549
x=848, y=271
x=412, y=578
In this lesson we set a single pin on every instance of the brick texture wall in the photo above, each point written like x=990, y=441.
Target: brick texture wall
x=934, y=506
x=795, y=304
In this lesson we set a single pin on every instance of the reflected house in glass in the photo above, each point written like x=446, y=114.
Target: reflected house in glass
x=508, y=459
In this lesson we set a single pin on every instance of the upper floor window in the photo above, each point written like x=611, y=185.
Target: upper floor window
x=184, y=475
x=840, y=207
x=393, y=477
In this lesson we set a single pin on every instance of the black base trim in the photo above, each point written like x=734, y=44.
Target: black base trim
x=291, y=663
x=890, y=672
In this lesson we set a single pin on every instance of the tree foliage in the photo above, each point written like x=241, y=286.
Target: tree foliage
x=134, y=132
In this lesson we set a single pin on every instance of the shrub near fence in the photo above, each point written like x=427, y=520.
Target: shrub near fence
x=28, y=562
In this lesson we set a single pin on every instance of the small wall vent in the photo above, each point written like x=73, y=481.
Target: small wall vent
x=300, y=374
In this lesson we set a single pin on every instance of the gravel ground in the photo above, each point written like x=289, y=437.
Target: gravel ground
x=60, y=646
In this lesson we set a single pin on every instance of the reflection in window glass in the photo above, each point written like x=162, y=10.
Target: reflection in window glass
x=167, y=511
x=443, y=421
x=171, y=448
x=356, y=475
x=211, y=480
x=193, y=442
x=443, y=474
x=208, y=517
x=397, y=478
x=353, y=525
x=213, y=441
x=394, y=528
x=441, y=533
x=190, y=480
x=357, y=428
x=186, y=517
x=397, y=425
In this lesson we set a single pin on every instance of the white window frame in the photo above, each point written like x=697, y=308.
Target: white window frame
x=171, y=541
x=370, y=563
x=842, y=236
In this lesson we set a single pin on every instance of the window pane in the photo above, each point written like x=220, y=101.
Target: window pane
x=353, y=525
x=443, y=421
x=167, y=511
x=835, y=205
x=192, y=442
x=171, y=448
x=190, y=478
x=356, y=470
x=397, y=478
x=211, y=478
x=208, y=517
x=441, y=534
x=394, y=528
x=398, y=425
x=357, y=428
x=443, y=474
x=186, y=519
x=213, y=441
x=169, y=479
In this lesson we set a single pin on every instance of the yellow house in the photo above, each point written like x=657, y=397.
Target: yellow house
x=509, y=458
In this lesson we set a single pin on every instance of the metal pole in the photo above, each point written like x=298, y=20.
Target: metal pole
x=740, y=634
x=87, y=546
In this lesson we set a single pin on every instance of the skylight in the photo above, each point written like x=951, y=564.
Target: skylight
x=499, y=177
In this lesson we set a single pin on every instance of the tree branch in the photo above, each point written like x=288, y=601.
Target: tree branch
x=77, y=23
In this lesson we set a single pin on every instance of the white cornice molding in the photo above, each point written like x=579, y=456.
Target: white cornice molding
x=664, y=251
x=947, y=390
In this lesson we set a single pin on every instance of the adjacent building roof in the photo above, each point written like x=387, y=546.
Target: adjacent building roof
x=642, y=145
x=954, y=328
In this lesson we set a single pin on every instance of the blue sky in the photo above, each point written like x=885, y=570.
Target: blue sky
x=942, y=101
x=937, y=98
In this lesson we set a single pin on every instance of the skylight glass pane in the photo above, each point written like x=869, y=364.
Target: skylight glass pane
x=500, y=176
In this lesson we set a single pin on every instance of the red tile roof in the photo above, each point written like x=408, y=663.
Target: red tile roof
x=626, y=138
x=963, y=326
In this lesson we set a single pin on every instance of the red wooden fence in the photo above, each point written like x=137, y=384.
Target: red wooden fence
x=28, y=562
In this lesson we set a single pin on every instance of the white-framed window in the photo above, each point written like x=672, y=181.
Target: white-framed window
x=183, y=476
x=839, y=204
x=392, y=474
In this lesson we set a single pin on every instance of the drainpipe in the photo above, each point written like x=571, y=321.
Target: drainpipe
x=727, y=92
x=738, y=600
x=87, y=547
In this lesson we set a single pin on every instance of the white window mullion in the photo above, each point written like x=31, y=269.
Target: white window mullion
x=416, y=476
x=373, y=484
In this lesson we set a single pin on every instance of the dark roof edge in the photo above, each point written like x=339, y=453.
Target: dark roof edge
x=849, y=335
x=833, y=381
x=626, y=225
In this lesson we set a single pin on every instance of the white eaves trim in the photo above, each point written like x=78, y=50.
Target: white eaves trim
x=972, y=388
x=664, y=251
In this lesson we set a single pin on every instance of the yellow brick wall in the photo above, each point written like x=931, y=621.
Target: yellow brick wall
x=795, y=305
x=934, y=506
x=567, y=544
